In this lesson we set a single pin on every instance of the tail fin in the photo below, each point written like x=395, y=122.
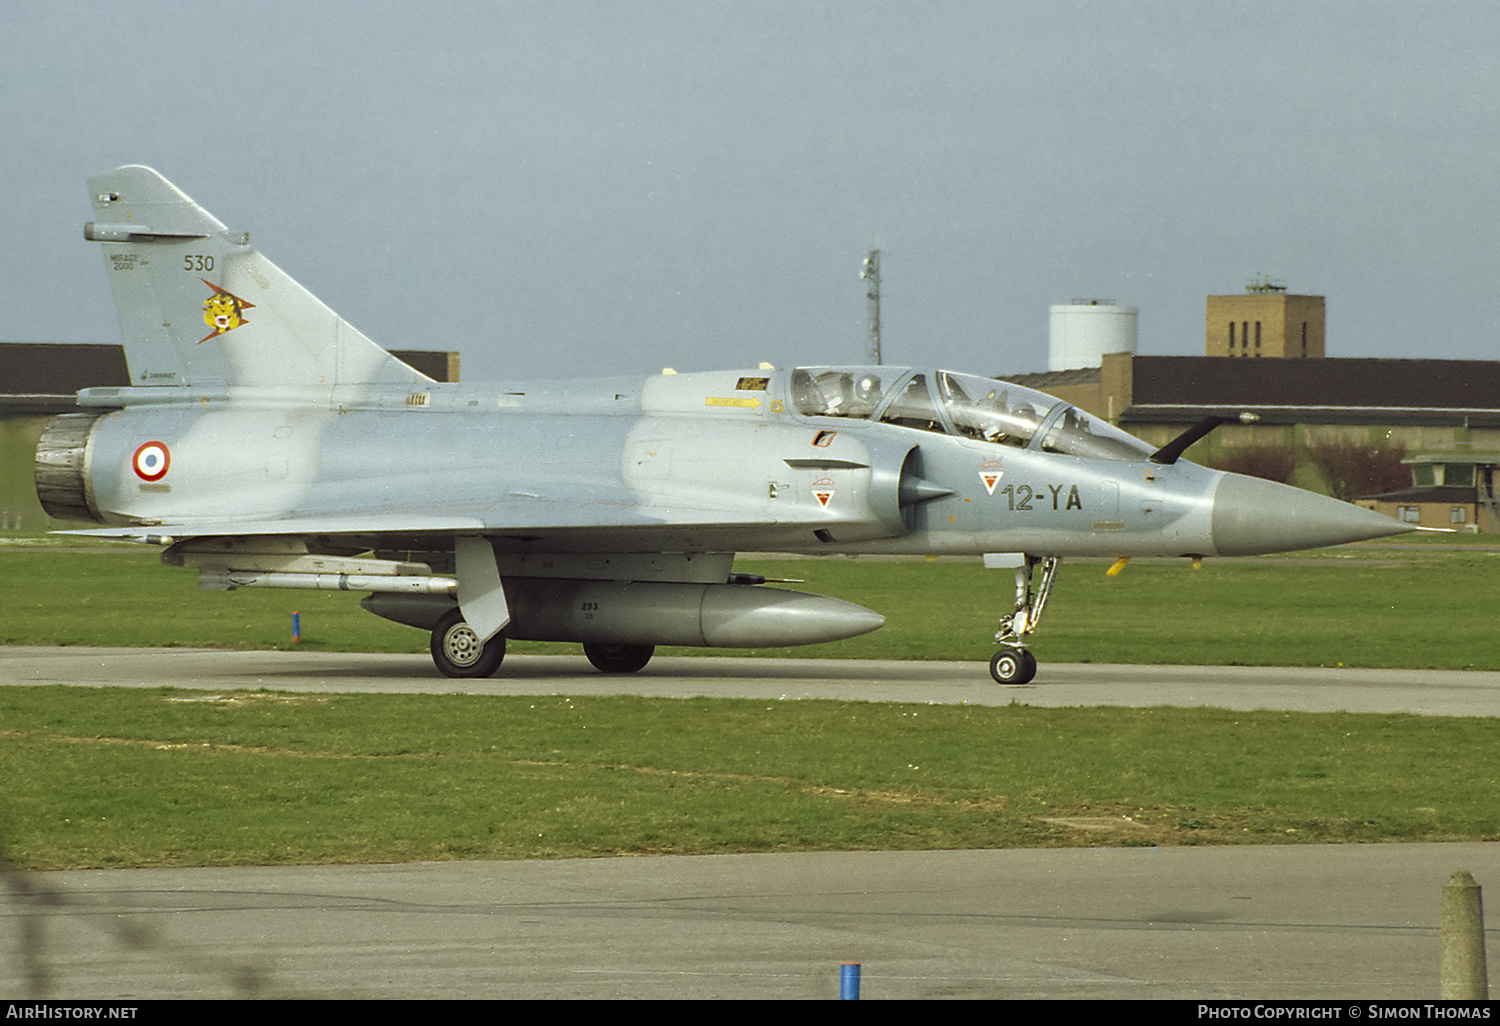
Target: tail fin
x=198, y=306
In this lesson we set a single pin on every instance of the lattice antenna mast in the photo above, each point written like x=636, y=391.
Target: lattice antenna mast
x=1263, y=282
x=871, y=274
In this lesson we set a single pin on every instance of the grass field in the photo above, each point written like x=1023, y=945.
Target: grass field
x=131, y=777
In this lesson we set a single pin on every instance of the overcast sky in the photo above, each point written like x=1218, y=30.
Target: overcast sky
x=564, y=188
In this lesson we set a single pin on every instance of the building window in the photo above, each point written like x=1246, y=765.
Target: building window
x=1257, y=334
x=1409, y=514
x=1231, y=337
x=1460, y=474
x=1456, y=515
x=1304, y=338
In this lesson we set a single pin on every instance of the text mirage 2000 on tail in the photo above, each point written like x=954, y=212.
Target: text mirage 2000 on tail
x=267, y=443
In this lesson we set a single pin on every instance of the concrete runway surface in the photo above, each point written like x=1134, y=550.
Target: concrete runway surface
x=1309, y=922
x=1316, y=689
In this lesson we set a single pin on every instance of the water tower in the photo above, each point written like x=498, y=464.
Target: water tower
x=1083, y=331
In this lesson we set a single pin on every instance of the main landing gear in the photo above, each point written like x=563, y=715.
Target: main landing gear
x=1013, y=664
x=618, y=658
x=457, y=651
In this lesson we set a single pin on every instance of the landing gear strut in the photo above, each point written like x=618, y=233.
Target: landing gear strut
x=1013, y=664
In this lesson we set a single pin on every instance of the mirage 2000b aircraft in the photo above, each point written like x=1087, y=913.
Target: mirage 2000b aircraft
x=267, y=443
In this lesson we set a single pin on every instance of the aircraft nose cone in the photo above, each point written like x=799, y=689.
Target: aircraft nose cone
x=1252, y=516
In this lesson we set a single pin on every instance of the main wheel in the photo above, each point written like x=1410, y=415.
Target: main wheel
x=1012, y=666
x=618, y=658
x=457, y=651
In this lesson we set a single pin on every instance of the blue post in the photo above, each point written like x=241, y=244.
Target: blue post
x=849, y=982
x=296, y=628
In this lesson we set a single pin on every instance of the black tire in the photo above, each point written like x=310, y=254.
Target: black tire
x=1013, y=666
x=456, y=650
x=618, y=658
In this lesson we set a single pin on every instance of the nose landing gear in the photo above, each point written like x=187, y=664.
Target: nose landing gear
x=1013, y=664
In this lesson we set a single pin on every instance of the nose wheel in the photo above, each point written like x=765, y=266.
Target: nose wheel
x=1013, y=664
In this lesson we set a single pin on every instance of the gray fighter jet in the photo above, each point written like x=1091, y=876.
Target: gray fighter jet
x=267, y=443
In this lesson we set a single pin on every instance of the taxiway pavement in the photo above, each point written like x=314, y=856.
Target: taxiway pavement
x=1314, y=922
x=1313, y=689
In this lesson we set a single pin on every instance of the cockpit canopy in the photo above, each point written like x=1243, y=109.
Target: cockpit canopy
x=984, y=409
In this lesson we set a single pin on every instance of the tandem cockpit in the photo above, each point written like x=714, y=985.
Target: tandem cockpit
x=983, y=409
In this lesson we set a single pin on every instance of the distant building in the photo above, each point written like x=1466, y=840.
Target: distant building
x=1452, y=489
x=1422, y=404
x=1265, y=324
x=1303, y=399
x=43, y=377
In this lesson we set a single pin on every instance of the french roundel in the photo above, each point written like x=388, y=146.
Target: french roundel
x=151, y=461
